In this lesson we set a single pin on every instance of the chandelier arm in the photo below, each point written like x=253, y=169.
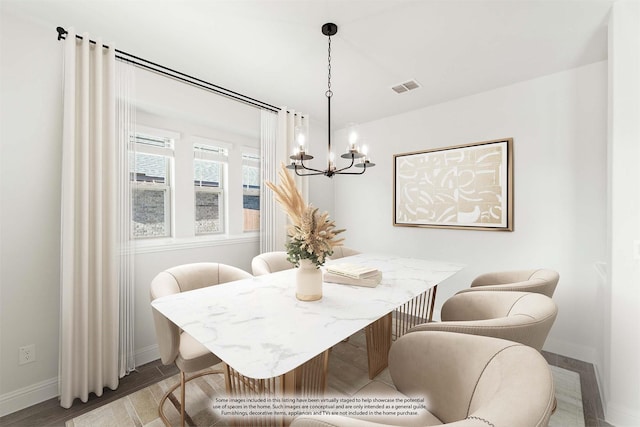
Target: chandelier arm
x=317, y=172
x=350, y=166
x=302, y=166
x=352, y=173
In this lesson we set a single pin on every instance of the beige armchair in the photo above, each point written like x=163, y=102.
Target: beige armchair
x=342, y=251
x=270, y=262
x=522, y=317
x=540, y=281
x=176, y=346
x=465, y=381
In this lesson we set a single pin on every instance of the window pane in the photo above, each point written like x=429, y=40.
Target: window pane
x=206, y=173
x=148, y=167
x=208, y=208
x=150, y=195
x=149, y=212
x=251, y=196
x=208, y=180
x=251, y=176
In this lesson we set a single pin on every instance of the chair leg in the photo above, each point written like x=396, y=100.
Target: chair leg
x=182, y=384
x=182, y=400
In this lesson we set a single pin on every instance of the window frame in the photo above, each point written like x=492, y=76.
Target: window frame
x=210, y=150
x=182, y=189
x=255, y=153
x=168, y=152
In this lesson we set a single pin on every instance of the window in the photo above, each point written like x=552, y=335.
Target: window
x=150, y=165
x=187, y=188
x=208, y=176
x=251, y=190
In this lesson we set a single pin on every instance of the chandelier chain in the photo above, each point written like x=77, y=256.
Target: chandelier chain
x=329, y=92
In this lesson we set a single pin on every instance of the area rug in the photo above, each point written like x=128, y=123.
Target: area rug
x=347, y=374
x=141, y=408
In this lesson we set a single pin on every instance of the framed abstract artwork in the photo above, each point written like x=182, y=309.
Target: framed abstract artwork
x=463, y=187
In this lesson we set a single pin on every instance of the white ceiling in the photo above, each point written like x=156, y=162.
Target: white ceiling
x=274, y=50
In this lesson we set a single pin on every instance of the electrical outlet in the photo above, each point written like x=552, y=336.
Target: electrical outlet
x=27, y=354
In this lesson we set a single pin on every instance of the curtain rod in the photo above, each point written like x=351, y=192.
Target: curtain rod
x=186, y=78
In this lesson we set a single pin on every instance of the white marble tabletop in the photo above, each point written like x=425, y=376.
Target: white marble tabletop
x=258, y=327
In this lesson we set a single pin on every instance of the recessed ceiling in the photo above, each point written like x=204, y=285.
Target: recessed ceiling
x=274, y=50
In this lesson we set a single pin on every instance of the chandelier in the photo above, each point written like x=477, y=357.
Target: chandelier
x=357, y=155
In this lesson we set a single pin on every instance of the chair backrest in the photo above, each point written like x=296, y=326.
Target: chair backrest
x=180, y=279
x=496, y=381
x=270, y=262
x=342, y=251
x=542, y=281
x=523, y=317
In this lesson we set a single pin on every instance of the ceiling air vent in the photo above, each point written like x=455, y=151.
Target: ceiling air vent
x=406, y=86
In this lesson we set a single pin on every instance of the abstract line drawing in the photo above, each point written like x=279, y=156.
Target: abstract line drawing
x=464, y=187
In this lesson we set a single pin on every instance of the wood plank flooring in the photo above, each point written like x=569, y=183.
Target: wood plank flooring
x=49, y=413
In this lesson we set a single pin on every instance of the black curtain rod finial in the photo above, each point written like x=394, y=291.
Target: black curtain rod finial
x=61, y=32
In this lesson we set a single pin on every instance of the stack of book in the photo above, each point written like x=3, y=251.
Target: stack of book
x=353, y=274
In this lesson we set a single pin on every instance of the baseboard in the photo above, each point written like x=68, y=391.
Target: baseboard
x=147, y=354
x=599, y=380
x=31, y=395
x=28, y=396
x=622, y=416
x=574, y=351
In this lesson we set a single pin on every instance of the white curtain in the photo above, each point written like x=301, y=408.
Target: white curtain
x=277, y=144
x=126, y=120
x=269, y=162
x=89, y=251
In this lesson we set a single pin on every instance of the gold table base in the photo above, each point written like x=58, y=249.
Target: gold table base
x=307, y=380
x=395, y=324
x=310, y=379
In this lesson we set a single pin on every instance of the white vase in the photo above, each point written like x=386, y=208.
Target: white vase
x=308, y=281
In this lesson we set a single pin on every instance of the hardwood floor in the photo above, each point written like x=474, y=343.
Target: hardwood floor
x=49, y=413
x=591, y=401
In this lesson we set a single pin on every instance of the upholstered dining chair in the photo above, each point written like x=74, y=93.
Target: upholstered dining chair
x=462, y=380
x=175, y=345
x=270, y=262
x=342, y=251
x=542, y=281
x=522, y=317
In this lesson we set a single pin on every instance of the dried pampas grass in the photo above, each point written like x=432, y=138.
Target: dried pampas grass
x=312, y=235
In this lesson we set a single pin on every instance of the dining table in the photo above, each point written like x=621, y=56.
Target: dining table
x=273, y=343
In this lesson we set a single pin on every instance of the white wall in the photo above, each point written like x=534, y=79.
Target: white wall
x=558, y=124
x=622, y=338
x=31, y=87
